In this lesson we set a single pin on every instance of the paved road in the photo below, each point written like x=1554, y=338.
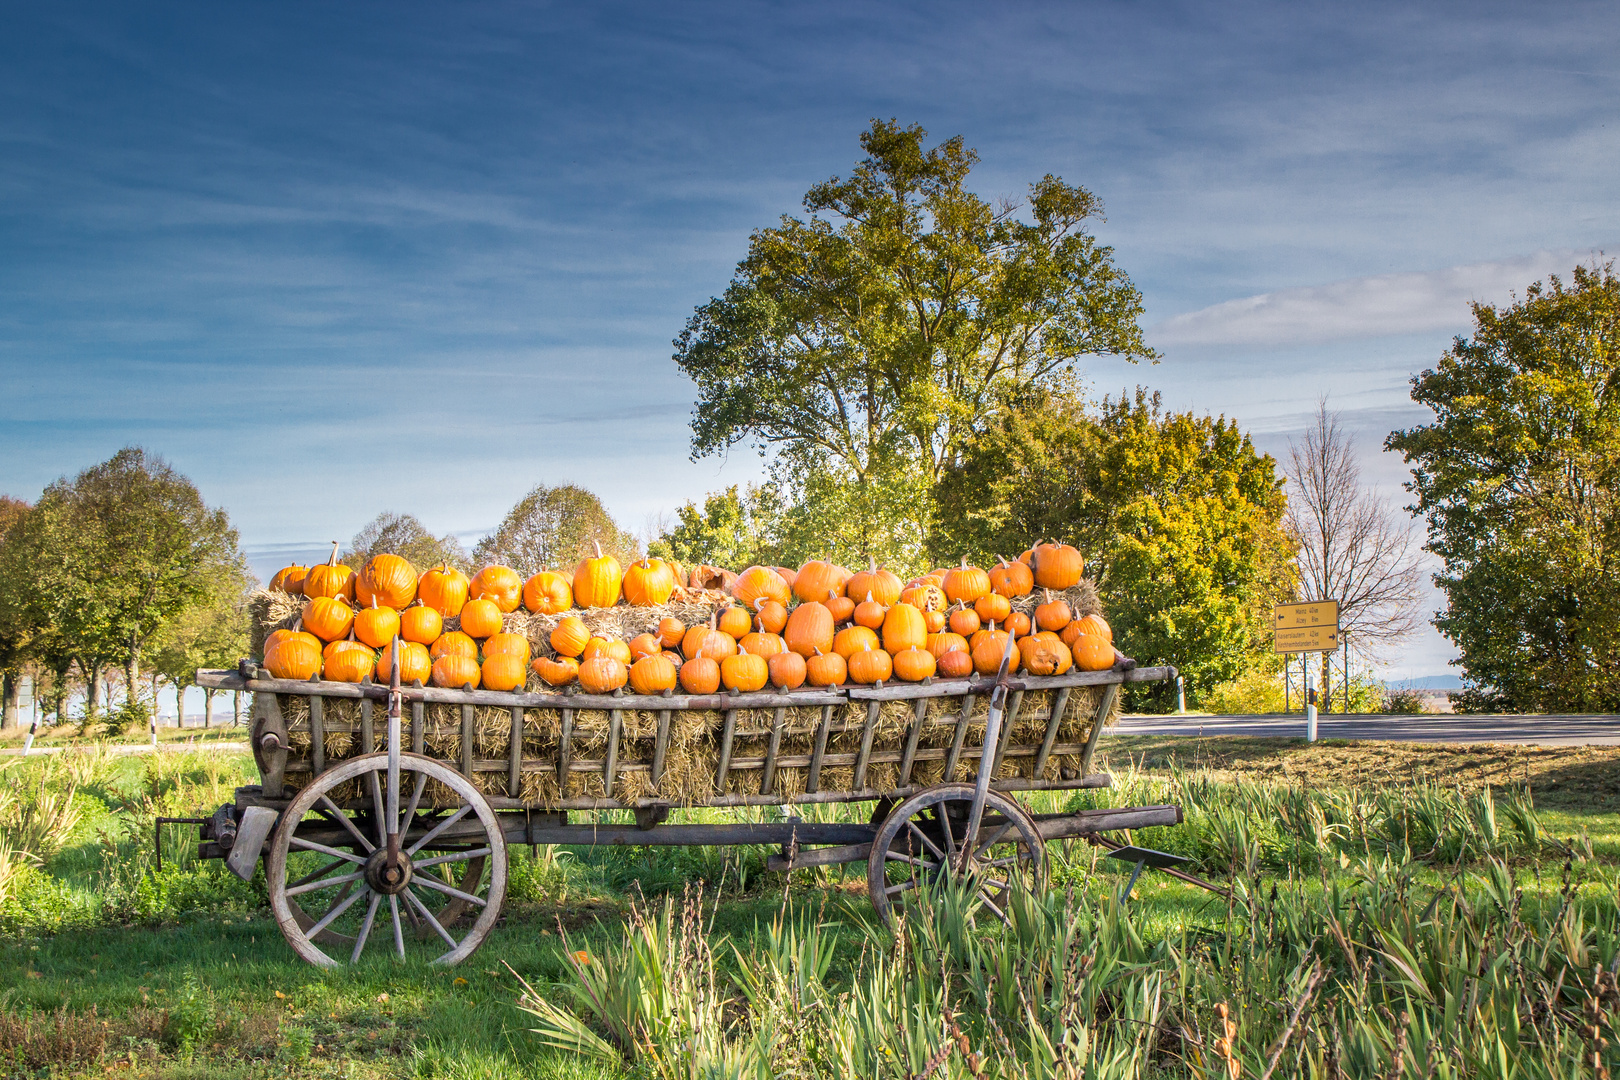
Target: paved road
x=1528, y=730
x=128, y=748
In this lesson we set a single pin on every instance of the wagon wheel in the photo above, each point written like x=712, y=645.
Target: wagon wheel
x=924, y=839
x=348, y=857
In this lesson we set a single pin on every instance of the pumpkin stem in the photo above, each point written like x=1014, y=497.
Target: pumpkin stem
x=332, y=561
x=598, y=545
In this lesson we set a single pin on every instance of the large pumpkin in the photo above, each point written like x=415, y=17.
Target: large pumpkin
x=913, y=664
x=788, y=670
x=1011, y=579
x=648, y=583
x=390, y=580
x=597, y=582
x=558, y=672
x=603, y=675
x=507, y=645
x=700, y=675
x=296, y=656
x=744, y=672
x=453, y=643
x=456, y=672
x=444, y=589
x=809, y=627
x=652, y=675
x=415, y=665
x=817, y=580
x=904, y=628
x=965, y=583
x=826, y=669
x=870, y=666
x=760, y=583
x=988, y=650
x=331, y=579
x=883, y=585
x=480, y=618
x=328, y=617
x=548, y=593
x=570, y=636
x=505, y=671
x=376, y=626
x=1056, y=566
x=350, y=665
x=290, y=579
x=501, y=584
x=421, y=623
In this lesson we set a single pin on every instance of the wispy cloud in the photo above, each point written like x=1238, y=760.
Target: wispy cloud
x=1384, y=305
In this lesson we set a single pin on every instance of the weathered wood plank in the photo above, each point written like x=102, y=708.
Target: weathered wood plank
x=777, y=723
x=514, y=754
x=1060, y=701
x=812, y=782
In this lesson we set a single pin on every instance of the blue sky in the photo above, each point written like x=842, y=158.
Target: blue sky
x=337, y=259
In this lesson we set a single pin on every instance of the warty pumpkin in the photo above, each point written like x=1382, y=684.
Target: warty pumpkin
x=809, y=627
x=480, y=618
x=548, y=593
x=598, y=581
x=648, y=583
x=558, y=672
x=870, y=666
x=330, y=579
x=504, y=671
x=444, y=589
x=603, y=675
x=760, y=583
x=421, y=624
x=652, y=674
x=415, y=664
x=966, y=583
x=390, y=580
x=787, y=670
x=568, y=637
x=1056, y=566
x=376, y=625
x=903, y=628
x=502, y=584
x=328, y=617
x=452, y=643
x=456, y=672
x=914, y=664
x=700, y=675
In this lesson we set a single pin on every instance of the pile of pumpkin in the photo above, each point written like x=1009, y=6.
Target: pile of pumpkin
x=820, y=624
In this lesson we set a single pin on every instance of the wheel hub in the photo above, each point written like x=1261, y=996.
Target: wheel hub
x=390, y=879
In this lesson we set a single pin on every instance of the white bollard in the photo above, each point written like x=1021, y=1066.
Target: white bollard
x=1181, y=695
x=1310, y=706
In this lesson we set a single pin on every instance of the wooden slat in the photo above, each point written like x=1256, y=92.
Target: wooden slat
x=1059, y=702
x=872, y=710
x=1097, y=723
x=777, y=724
x=317, y=734
x=469, y=731
x=661, y=746
x=368, y=733
x=1004, y=737
x=726, y=736
x=917, y=712
x=418, y=726
x=565, y=751
x=514, y=755
x=610, y=767
x=812, y=782
x=961, y=737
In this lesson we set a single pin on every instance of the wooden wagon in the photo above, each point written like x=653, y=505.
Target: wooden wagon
x=415, y=828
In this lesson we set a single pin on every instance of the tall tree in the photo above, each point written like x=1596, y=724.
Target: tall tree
x=862, y=347
x=14, y=631
x=213, y=632
x=1353, y=547
x=403, y=535
x=554, y=527
x=1519, y=479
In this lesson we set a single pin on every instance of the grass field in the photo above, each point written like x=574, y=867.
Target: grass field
x=1380, y=871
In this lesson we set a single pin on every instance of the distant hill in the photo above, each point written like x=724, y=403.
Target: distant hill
x=1427, y=682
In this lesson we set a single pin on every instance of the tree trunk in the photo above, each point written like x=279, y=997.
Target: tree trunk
x=11, y=690
x=179, y=704
x=236, y=708
x=208, y=708
x=132, y=669
x=92, y=687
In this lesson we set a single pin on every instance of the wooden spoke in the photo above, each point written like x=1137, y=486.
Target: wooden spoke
x=452, y=857
x=437, y=829
x=322, y=872
x=316, y=886
x=399, y=935
x=365, y=926
x=343, y=819
x=336, y=910
x=912, y=825
x=381, y=808
x=430, y=882
x=422, y=910
x=310, y=845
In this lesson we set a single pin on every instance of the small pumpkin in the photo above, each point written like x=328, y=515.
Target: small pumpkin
x=652, y=674
x=700, y=675
x=760, y=583
x=1053, y=615
x=1094, y=625
x=882, y=585
x=869, y=613
x=841, y=607
x=444, y=589
x=735, y=620
x=771, y=616
x=548, y=593
x=569, y=636
x=914, y=664
x=328, y=617
x=480, y=618
x=331, y=579
x=601, y=646
x=558, y=672
x=934, y=619
x=1017, y=624
x=277, y=636
x=707, y=641
x=817, y=580
x=1011, y=579
x=787, y=670
x=966, y=583
x=988, y=651
x=296, y=656
x=670, y=631
x=926, y=597
x=502, y=584
x=350, y=665
x=290, y=579
x=415, y=663
x=956, y=664
x=761, y=643
x=390, y=580
x=421, y=624
x=992, y=607
x=964, y=620
x=903, y=628
x=648, y=583
x=507, y=645
x=870, y=666
x=453, y=643
x=644, y=645
x=1056, y=566
x=744, y=672
x=505, y=671
x=945, y=641
x=598, y=582
x=456, y=672
x=603, y=675
x=826, y=669
x=852, y=639
x=1092, y=653
x=377, y=625
x=809, y=628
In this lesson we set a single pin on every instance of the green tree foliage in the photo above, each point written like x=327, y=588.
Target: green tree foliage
x=1519, y=476
x=731, y=529
x=1178, y=516
x=212, y=633
x=405, y=536
x=861, y=348
x=13, y=629
x=552, y=528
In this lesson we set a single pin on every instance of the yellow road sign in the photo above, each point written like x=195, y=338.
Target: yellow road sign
x=1312, y=626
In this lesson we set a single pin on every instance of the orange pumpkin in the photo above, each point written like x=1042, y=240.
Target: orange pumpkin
x=601, y=646
x=277, y=636
x=852, y=639
x=914, y=664
x=391, y=580
x=1043, y=654
x=817, y=580
x=700, y=675
x=869, y=613
x=1094, y=625
x=648, y=583
x=290, y=579
x=350, y=665
x=992, y=607
x=548, y=593
x=415, y=664
x=881, y=585
x=1017, y=624
x=787, y=670
x=444, y=589
x=505, y=671
x=1054, y=614
x=598, y=582
x=453, y=643
x=603, y=675
x=787, y=573
x=744, y=672
x=501, y=584
x=941, y=643
x=760, y=583
x=332, y=579
x=480, y=618
x=956, y=664
x=809, y=627
x=771, y=616
x=377, y=626
x=558, y=672
x=569, y=636
x=1092, y=653
x=456, y=672
x=420, y=624
x=296, y=656
x=328, y=617
x=1056, y=566
x=903, y=628
x=1011, y=579
x=841, y=607
x=826, y=669
x=652, y=674
x=926, y=597
x=643, y=645
x=870, y=666
x=735, y=621
x=332, y=648
x=670, y=631
x=988, y=650
x=507, y=645
x=966, y=583
x=964, y=620
x=760, y=643
x=711, y=577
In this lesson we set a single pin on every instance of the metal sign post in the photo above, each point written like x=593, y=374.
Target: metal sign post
x=1308, y=627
